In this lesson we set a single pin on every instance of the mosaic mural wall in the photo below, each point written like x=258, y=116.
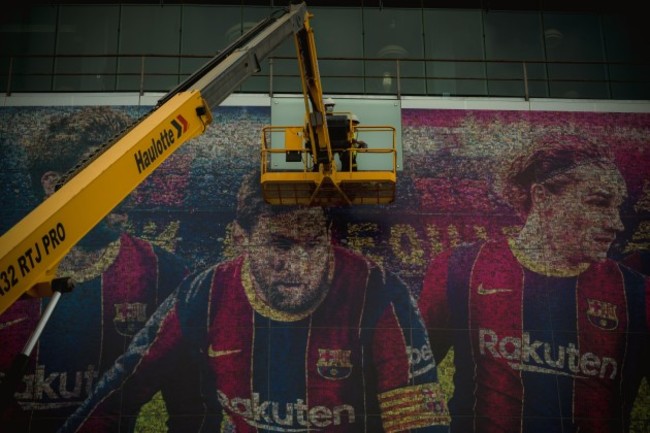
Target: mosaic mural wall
x=503, y=291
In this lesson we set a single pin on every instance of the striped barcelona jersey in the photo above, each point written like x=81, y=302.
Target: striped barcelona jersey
x=87, y=331
x=537, y=353
x=359, y=362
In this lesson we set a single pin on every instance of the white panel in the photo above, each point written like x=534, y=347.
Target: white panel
x=290, y=111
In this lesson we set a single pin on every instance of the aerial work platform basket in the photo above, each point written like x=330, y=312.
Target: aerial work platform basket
x=290, y=176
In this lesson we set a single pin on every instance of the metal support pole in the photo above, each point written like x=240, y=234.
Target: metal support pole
x=270, y=77
x=141, y=75
x=526, y=94
x=15, y=374
x=9, y=74
x=398, y=78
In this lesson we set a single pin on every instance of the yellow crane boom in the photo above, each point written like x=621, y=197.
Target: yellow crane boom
x=32, y=249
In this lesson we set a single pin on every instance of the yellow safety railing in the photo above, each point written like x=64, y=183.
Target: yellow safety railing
x=295, y=181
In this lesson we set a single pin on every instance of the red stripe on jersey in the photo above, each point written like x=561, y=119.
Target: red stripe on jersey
x=495, y=302
x=335, y=333
x=230, y=349
x=602, y=320
x=129, y=289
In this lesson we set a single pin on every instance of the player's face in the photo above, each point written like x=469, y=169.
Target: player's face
x=289, y=259
x=49, y=180
x=583, y=220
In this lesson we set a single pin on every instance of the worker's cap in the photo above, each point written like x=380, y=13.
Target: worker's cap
x=329, y=102
x=354, y=118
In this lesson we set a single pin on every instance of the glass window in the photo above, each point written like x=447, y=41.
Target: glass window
x=338, y=34
x=627, y=45
x=572, y=41
x=87, y=30
x=393, y=34
x=510, y=39
x=454, y=43
x=260, y=82
x=29, y=32
x=151, y=34
x=206, y=30
x=398, y=48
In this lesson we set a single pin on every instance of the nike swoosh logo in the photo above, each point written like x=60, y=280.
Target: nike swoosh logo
x=13, y=322
x=483, y=291
x=217, y=353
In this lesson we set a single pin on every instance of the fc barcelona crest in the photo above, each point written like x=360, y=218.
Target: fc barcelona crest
x=334, y=364
x=602, y=314
x=130, y=318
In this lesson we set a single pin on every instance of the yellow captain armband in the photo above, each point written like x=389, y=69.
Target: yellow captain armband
x=413, y=407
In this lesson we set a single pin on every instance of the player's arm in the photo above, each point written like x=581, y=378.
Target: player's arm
x=150, y=360
x=409, y=395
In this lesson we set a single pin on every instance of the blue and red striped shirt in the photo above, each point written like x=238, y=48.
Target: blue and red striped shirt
x=359, y=362
x=536, y=352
